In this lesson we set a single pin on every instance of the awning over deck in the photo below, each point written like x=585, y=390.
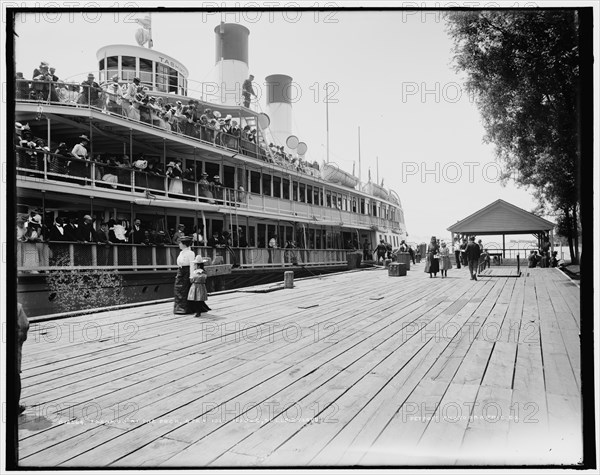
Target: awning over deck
x=502, y=218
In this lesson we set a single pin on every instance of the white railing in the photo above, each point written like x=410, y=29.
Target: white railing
x=48, y=256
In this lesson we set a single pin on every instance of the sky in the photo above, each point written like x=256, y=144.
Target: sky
x=391, y=74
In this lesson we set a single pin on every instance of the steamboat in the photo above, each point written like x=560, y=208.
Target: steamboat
x=174, y=161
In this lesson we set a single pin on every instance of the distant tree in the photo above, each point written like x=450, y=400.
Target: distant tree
x=523, y=71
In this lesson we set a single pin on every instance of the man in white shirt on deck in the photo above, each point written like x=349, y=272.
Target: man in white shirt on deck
x=113, y=95
x=129, y=96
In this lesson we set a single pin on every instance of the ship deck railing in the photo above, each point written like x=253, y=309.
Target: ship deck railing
x=66, y=94
x=127, y=183
x=36, y=257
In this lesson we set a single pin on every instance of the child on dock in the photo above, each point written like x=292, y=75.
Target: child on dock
x=197, y=294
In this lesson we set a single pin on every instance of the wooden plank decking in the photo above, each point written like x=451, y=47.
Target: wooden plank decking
x=350, y=369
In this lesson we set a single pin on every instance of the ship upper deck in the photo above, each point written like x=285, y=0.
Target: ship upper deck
x=192, y=128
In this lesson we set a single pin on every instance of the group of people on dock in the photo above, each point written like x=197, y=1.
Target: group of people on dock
x=438, y=257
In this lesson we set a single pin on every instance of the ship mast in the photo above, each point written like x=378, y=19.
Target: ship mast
x=327, y=116
x=359, y=167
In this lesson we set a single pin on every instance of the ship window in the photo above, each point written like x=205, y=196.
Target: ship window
x=286, y=189
x=309, y=194
x=112, y=62
x=318, y=244
x=302, y=196
x=266, y=184
x=255, y=182
x=362, y=206
x=354, y=205
x=229, y=176
x=316, y=196
x=374, y=209
x=281, y=236
x=328, y=199
x=101, y=65
x=262, y=235
x=128, y=68
x=276, y=187
x=146, y=71
x=272, y=232
x=295, y=191
x=162, y=77
x=250, y=237
x=345, y=204
x=173, y=80
x=112, y=66
x=212, y=169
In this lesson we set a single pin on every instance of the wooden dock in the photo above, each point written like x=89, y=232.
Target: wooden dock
x=356, y=368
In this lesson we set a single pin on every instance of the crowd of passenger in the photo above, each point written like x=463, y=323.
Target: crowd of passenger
x=134, y=101
x=74, y=164
x=119, y=230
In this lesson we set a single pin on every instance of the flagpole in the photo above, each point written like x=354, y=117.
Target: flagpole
x=327, y=116
x=359, y=167
x=377, y=163
x=150, y=44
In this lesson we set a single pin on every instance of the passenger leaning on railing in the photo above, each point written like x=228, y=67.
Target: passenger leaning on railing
x=22, y=87
x=129, y=96
x=80, y=167
x=57, y=232
x=90, y=92
x=114, y=96
x=58, y=162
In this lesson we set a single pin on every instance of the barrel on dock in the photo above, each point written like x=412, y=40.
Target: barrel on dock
x=354, y=260
x=403, y=258
x=397, y=269
x=288, y=279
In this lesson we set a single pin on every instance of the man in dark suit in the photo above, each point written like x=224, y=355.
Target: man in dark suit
x=86, y=231
x=102, y=234
x=57, y=233
x=473, y=251
x=137, y=235
x=70, y=230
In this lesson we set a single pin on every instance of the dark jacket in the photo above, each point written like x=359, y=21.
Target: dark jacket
x=86, y=233
x=473, y=251
x=55, y=235
x=70, y=232
x=137, y=237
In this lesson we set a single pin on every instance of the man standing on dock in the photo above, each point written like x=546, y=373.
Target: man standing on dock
x=473, y=251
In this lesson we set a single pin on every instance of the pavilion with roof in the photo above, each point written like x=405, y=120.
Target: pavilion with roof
x=502, y=218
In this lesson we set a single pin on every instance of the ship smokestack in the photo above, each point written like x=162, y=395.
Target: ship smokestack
x=231, y=59
x=280, y=94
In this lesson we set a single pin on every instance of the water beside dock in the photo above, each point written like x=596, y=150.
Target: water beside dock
x=355, y=368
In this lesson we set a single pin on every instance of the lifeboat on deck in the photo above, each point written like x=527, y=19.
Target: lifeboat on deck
x=334, y=174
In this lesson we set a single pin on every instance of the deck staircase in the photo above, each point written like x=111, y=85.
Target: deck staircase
x=261, y=138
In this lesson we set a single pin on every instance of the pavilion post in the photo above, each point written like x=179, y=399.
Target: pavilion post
x=503, y=248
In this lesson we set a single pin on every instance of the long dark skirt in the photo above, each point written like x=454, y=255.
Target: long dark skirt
x=432, y=266
x=199, y=306
x=181, y=290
